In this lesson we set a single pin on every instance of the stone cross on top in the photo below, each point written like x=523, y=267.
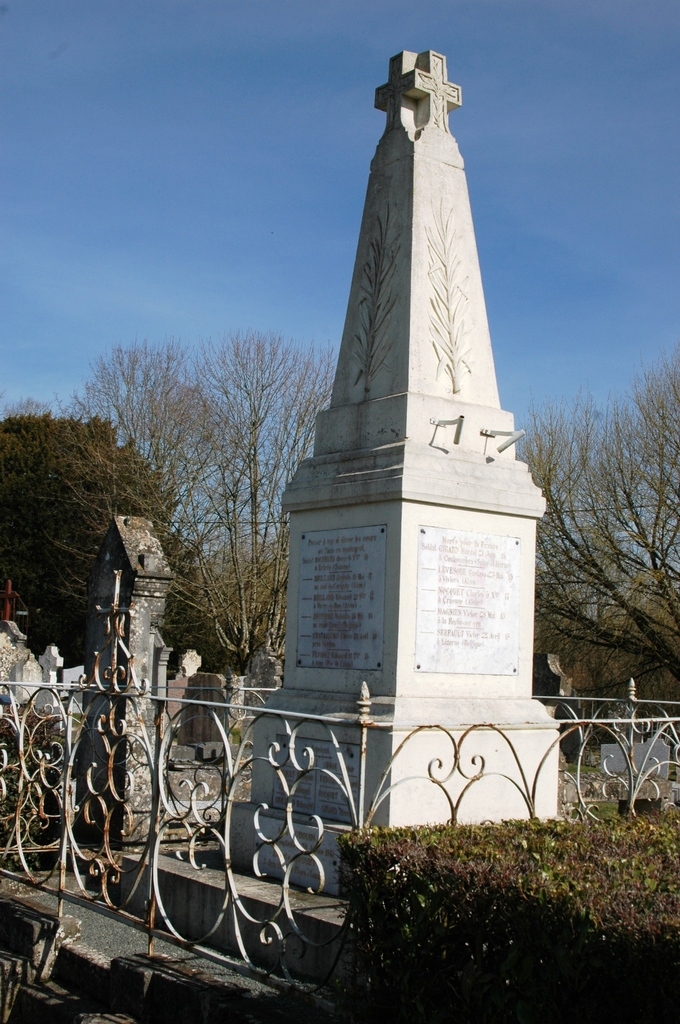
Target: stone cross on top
x=421, y=79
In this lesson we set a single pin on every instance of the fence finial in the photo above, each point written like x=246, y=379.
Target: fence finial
x=632, y=689
x=364, y=701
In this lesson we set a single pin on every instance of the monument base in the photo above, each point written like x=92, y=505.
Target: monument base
x=413, y=574
x=402, y=761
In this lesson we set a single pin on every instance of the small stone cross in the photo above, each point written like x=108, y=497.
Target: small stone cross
x=189, y=663
x=420, y=77
x=49, y=662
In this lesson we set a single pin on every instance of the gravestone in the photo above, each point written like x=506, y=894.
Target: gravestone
x=18, y=665
x=27, y=671
x=549, y=678
x=264, y=673
x=71, y=676
x=264, y=669
x=26, y=680
x=196, y=733
x=412, y=526
x=132, y=573
x=650, y=758
x=13, y=649
x=649, y=762
x=189, y=662
x=198, y=722
x=6, y=657
x=50, y=661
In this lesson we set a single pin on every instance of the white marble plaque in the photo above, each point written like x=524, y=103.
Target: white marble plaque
x=318, y=792
x=468, y=602
x=342, y=597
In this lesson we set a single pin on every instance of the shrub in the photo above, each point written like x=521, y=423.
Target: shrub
x=520, y=921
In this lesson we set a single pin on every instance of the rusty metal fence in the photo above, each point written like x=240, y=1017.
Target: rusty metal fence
x=234, y=854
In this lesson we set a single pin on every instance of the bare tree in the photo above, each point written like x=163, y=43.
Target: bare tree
x=26, y=407
x=608, y=570
x=221, y=434
x=262, y=395
x=147, y=391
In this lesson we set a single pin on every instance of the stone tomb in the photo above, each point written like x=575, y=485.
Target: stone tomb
x=413, y=524
x=131, y=552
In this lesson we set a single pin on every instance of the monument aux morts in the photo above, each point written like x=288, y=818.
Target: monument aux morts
x=413, y=524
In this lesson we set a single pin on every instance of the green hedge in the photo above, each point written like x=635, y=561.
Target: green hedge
x=531, y=922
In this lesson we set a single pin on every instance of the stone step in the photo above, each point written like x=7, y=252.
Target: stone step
x=51, y=1003
x=83, y=968
x=170, y=992
x=28, y=930
x=193, y=899
x=165, y=990
x=30, y=941
x=15, y=971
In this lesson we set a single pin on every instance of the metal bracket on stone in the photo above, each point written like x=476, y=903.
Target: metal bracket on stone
x=459, y=420
x=513, y=437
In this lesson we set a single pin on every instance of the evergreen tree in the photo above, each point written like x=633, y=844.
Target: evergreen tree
x=54, y=510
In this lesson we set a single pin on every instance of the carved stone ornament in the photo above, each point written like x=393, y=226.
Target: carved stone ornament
x=377, y=298
x=418, y=82
x=449, y=299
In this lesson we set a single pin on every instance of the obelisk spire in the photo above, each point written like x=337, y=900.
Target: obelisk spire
x=412, y=526
x=416, y=318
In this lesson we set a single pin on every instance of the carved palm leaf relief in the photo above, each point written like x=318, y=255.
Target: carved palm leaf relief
x=372, y=341
x=449, y=300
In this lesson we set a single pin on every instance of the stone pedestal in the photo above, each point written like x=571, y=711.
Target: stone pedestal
x=413, y=524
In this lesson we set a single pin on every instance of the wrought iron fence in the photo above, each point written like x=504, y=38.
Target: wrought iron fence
x=234, y=855
x=617, y=754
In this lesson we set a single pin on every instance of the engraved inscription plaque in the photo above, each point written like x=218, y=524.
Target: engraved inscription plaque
x=322, y=790
x=342, y=597
x=468, y=602
x=305, y=871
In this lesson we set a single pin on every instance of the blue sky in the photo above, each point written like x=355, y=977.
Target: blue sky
x=191, y=167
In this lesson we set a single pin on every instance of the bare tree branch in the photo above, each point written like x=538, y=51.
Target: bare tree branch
x=221, y=433
x=608, y=569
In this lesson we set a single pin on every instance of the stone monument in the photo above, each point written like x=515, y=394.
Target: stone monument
x=117, y=748
x=13, y=650
x=132, y=548
x=413, y=524
x=17, y=664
